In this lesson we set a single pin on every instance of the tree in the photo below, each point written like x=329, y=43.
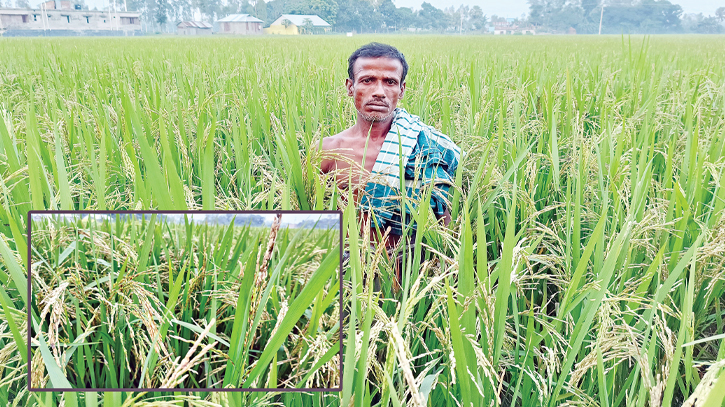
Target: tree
x=243, y=6
x=389, y=14
x=296, y=7
x=536, y=13
x=326, y=9
x=476, y=18
x=592, y=11
x=556, y=15
x=212, y=9
x=620, y=16
x=406, y=17
x=260, y=10
x=147, y=8
x=431, y=17
x=708, y=25
x=307, y=26
x=181, y=10
x=646, y=17
x=667, y=15
x=589, y=6
x=160, y=14
x=359, y=16
x=457, y=18
x=21, y=4
x=720, y=14
x=348, y=18
x=275, y=8
x=230, y=6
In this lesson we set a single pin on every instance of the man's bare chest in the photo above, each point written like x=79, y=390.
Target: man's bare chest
x=359, y=156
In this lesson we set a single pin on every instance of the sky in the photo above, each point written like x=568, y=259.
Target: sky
x=507, y=8
x=287, y=218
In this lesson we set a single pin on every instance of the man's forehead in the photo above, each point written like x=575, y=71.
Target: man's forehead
x=378, y=63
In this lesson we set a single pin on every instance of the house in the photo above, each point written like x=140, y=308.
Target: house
x=193, y=28
x=58, y=18
x=293, y=24
x=243, y=24
x=510, y=27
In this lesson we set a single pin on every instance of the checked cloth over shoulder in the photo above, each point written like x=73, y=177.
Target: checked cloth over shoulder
x=428, y=156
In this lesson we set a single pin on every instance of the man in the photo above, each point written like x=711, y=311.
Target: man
x=366, y=157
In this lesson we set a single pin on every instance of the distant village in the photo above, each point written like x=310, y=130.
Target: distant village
x=315, y=17
x=63, y=18
x=66, y=18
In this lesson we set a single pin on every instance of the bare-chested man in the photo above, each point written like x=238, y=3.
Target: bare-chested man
x=367, y=154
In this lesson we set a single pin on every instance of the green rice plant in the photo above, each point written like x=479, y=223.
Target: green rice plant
x=584, y=263
x=158, y=303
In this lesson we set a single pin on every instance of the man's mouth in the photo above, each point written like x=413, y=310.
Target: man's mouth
x=377, y=104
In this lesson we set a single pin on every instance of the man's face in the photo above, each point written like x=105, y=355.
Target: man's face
x=377, y=87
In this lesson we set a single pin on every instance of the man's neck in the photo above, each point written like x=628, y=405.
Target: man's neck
x=376, y=130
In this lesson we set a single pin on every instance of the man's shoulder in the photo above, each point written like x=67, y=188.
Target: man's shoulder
x=424, y=131
x=429, y=138
x=331, y=142
x=332, y=145
x=335, y=141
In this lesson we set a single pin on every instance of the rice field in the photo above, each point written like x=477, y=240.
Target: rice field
x=151, y=298
x=585, y=264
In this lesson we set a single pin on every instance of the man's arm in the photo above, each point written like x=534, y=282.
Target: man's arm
x=327, y=164
x=446, y=217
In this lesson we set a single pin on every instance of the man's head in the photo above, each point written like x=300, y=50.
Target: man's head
x=376, y=80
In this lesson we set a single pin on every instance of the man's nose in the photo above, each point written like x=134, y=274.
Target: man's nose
x=379, y=90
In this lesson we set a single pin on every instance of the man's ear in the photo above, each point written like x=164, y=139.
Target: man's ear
x=402, y=89
x=350, y=86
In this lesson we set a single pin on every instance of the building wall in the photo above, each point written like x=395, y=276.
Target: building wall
x=12, y=20
x=84, y=20
x=240, y=28
x=67, y=33
x=509, y=32
x=280, y=29
x=193, y=31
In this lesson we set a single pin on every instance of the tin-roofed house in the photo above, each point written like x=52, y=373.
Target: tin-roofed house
x=193, y=28
x=295, y=24
x=240, y=24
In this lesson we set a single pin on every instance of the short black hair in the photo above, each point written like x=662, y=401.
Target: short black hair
x=376, y=50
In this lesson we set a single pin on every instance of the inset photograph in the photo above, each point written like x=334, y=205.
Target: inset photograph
x=185, y=300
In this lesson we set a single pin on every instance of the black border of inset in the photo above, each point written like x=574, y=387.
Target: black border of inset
x=130, y=390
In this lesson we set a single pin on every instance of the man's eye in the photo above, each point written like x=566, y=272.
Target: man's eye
x=367, y=80
x=391, y=82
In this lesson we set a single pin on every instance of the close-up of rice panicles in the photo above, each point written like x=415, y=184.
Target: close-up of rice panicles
x=97, y=297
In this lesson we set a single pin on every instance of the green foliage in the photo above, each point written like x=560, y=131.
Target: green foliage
x=161, y=12
x=627, y=16
x=583, y=265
